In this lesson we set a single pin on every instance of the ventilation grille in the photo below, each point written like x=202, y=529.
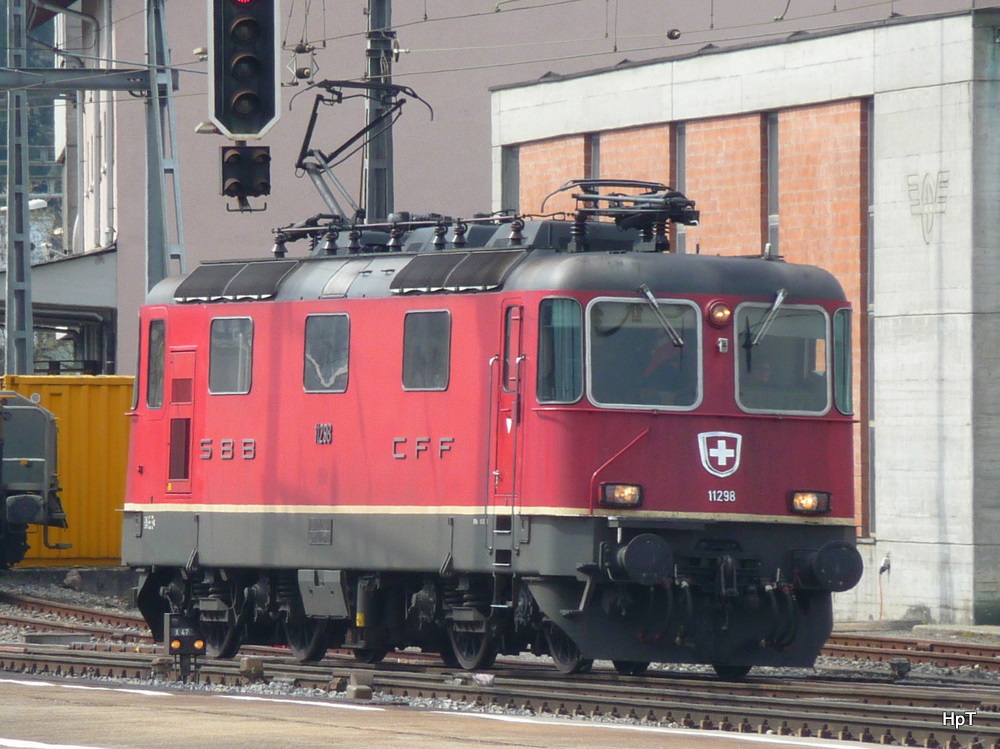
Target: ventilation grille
x=230, y=282
x=480, y=270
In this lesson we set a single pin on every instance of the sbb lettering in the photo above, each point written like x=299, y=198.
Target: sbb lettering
x=404, y=447
x=247, y=449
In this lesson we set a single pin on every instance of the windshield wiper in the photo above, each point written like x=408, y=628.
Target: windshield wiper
x=771, y=314
x=674, y=335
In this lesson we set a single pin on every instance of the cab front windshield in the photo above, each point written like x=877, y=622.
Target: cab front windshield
x=782, y=359
x=636, y=361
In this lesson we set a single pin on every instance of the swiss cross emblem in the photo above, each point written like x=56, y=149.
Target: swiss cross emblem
x=720, y=452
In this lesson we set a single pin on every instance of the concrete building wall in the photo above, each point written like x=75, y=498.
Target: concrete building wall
x=929, y=291
x=923, y=331
x=986, y=323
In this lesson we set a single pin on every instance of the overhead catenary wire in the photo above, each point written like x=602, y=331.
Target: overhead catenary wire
x=766, y=30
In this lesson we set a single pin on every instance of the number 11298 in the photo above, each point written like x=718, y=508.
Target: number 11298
x=721, y=495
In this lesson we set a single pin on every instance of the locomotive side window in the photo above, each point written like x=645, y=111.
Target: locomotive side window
x=155, y=361
x=231, y=355
x=635, y=361
x=783, y=359
x=426, y=350
x=560, y=351
x=842, y=359
x=326, y=353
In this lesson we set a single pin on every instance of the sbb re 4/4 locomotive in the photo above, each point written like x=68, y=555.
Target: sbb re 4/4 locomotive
x=499, y=435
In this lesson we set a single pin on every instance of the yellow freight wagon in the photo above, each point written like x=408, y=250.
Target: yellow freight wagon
x=90, y=412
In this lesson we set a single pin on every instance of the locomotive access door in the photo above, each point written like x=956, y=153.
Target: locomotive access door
x=507, y=432
x=180, y=373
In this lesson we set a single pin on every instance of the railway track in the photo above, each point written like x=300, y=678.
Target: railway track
x=72, y=612
x=863, y=712
x=880, y=709
x=938, y=653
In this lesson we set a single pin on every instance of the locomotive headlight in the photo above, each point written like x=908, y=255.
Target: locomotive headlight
x=621, y=495
x=810, y=503
x=719, y=314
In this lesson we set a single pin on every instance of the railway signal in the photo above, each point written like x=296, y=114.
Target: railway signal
x=246, y=171
x=184, y=641
x=244, y=81
x=183, y=637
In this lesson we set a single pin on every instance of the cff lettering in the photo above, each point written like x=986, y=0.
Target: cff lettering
x=954, y=719
x=404, y=447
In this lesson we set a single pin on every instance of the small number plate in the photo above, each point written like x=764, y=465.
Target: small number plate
x=721, y=495
x=324, y=434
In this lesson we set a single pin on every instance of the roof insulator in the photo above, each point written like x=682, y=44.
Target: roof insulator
x=279, y=250
x=395, y=243
x=330, y=243
x=439, y=241
x=578, y=233
x=354, y=246
x=516, y=227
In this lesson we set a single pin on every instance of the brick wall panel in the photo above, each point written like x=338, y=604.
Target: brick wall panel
x=822, y=208
x=726, y=177
x=545, y=166
x=641, y=153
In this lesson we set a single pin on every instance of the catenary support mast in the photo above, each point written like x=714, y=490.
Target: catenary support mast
x=20, y=351
x=378, y=153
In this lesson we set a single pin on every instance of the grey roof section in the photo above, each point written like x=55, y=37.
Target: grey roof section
x=667, y=274
x=538, y=266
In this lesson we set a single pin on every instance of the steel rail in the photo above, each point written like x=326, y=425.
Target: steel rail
x=937, y=652
x=806, y=708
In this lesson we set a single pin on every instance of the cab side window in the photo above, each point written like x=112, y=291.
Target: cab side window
x=560, y=351
x=843, y=352
x=155, y=362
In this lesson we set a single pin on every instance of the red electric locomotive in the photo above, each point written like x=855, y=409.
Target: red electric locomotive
x=499, y=435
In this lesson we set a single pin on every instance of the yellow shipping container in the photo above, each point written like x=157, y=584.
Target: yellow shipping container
x=90, y=412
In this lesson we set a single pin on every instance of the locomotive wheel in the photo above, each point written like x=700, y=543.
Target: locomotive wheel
x=447, y=654
x=631, y=668
x=306, y=638
x=565, y=653
x=222, y=639
x=370, y=655
x=731, y=673
x=473, y=651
